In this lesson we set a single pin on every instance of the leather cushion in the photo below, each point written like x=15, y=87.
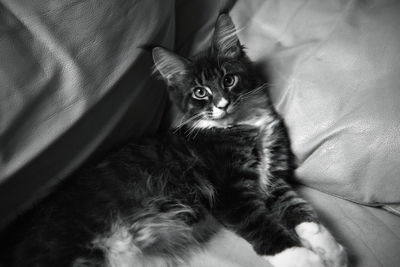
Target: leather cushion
x=73, y=76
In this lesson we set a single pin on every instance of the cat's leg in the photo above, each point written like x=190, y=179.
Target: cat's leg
x=165, y=233
x=285, y=205
x=299, y=217
x=241, y=208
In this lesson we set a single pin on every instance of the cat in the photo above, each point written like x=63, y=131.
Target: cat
x=220, y=88
x=158, y=200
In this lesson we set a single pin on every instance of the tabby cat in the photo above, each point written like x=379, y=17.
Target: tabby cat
x=157, y=200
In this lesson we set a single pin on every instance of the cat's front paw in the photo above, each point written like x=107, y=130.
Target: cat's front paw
x=295, y=257
x=317, y=238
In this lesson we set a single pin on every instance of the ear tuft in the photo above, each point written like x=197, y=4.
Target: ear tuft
x=225, y=41
x=169, y=64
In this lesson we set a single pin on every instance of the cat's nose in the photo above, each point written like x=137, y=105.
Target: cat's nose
x=222, y=103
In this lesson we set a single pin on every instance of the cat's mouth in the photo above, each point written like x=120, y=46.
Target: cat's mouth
x=221, y=114
x=229, y=117
x=222, y=120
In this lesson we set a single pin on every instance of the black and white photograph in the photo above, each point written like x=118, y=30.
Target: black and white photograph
x=199, y=133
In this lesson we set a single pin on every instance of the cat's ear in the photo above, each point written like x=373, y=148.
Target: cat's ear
x=225, y=41
x=171, y=66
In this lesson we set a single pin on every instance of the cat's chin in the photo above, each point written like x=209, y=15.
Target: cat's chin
x=230, y=122
x=214, y=123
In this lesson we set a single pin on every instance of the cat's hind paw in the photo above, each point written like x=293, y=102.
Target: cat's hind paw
x=317, y=238
x=295, y=257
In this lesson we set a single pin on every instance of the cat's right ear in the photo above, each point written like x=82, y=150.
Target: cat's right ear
x=172, y=67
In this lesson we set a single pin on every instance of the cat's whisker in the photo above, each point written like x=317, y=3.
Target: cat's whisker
x=249, y=94
x=236, y=101
x=194, y=132
x=190, y=130
x=189, y=119
x=256, y=90
x=194, y=128
x=253, y=91
x=183, y=123
x=198, y=129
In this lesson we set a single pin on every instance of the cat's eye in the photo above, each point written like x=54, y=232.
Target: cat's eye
x=199, y=93
x=229, y=81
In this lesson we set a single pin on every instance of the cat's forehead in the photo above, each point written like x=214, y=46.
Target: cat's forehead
x=209, y=74
x=211, y=68
x=205, y=69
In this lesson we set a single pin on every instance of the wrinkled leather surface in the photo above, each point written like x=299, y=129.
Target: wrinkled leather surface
x=72, y=76
x=336, y=81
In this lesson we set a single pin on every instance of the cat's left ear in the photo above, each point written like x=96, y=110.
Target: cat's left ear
x=171, y=66
x=225, y=41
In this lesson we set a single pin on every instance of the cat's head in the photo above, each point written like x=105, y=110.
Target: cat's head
x=216, y=88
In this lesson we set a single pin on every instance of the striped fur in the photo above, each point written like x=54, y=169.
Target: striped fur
x=156, y=201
